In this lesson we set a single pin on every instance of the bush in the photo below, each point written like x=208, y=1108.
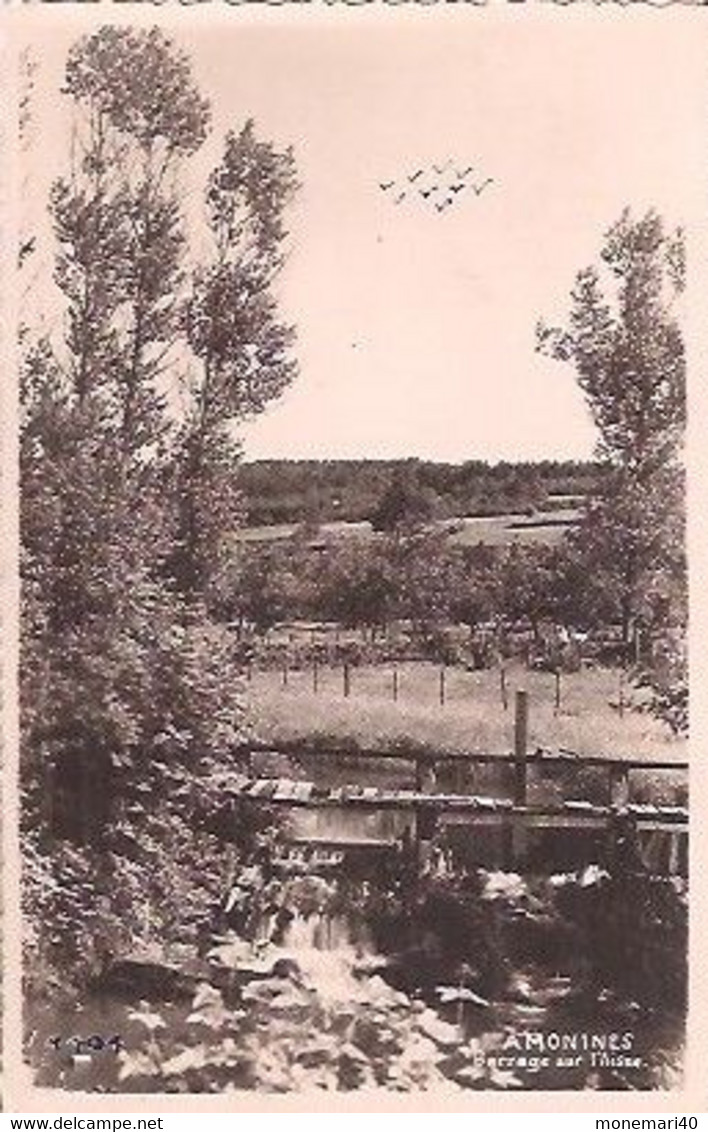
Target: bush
x=667, y=682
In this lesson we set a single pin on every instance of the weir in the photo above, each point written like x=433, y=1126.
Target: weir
x=355, y=818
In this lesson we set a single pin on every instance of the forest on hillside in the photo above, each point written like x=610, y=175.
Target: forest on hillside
x=323, y=491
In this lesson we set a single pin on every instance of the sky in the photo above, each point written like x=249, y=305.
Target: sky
x=416, y=327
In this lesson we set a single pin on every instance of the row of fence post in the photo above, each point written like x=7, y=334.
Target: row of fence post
x=395, y=683
x=442, y=684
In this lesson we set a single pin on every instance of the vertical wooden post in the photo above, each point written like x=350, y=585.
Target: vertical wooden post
x=521, y=728
x=673, y=863
x=502, y=685
x=249, y=671
x=229, y=865
x=620, y=703
x=460, y=776
x=285, y=672
x=425, y=818
x=637, y=644
x=345, y=678
x=315, y=675
x=558, y=691
x=442, y=686
x=395, y=683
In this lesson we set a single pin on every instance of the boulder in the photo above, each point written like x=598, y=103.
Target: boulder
x=442, y=1033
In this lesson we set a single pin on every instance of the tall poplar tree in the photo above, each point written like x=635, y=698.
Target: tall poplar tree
x=625, y=341
x=95, y=522
x=241, y=346
x=118, y=220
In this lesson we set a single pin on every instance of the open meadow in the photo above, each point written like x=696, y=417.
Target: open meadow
x=472, y=718
x=545, y=528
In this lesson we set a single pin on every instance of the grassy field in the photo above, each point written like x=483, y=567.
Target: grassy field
x=545, y=527
x=472, y=718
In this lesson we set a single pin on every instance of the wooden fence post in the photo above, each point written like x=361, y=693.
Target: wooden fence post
x=346, y=679
x=502, y=685
x=442, y=686
x=285, y=672
x=315, y=675
x=620, y=701
x=395, y=683
x=558, y=691
x=521, y=728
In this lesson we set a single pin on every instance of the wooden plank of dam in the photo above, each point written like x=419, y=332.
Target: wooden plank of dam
x=430, y=810
x=480, y=808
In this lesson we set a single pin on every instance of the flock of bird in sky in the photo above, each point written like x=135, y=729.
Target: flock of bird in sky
x=439, y=185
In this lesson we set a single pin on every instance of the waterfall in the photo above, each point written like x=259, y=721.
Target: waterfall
x=321, y=931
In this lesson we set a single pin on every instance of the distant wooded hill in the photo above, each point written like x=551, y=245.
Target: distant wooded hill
x=320, y=491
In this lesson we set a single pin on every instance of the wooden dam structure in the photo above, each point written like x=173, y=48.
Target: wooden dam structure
x=655, y=835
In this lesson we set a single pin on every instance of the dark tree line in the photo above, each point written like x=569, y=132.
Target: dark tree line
x=295, y=491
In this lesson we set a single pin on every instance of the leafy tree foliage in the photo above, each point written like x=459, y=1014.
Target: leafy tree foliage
x=118, y=220
x=129, y=690
x=528, y=581
x=232, y=326
x=625, y=341
x=406, y=504
x=475, y=598
x=360, y=587
x=627, y=345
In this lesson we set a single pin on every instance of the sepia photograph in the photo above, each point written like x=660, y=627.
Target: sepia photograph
x=353, y=679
